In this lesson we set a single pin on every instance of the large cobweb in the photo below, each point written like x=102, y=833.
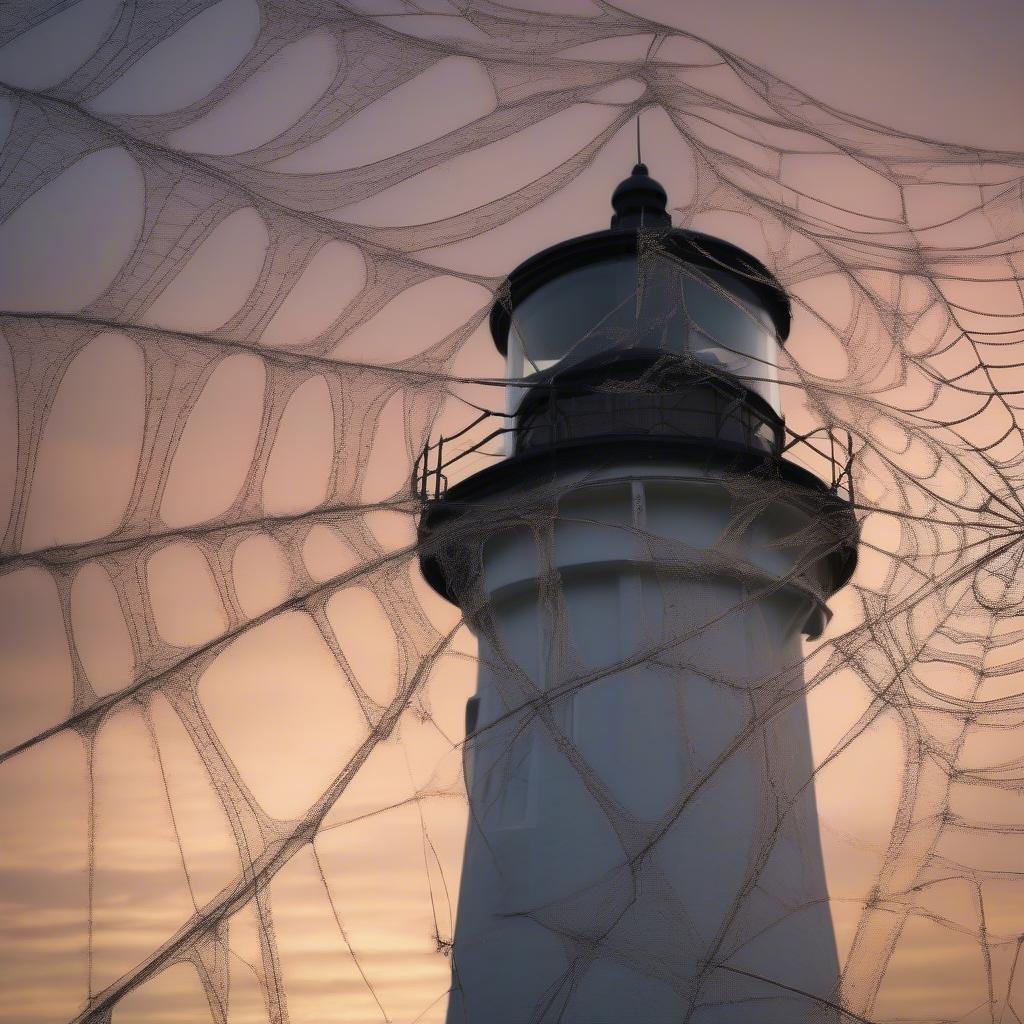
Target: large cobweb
x=249, y=248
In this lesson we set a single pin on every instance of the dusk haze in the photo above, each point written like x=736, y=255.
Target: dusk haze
x=512, y=512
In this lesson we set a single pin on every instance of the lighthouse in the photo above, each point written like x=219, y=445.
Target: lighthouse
x=640, y=564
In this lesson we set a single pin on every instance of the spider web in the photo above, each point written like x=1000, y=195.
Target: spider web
x=903, y=259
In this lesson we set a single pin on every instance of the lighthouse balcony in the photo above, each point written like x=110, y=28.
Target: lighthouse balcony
x=637, y=406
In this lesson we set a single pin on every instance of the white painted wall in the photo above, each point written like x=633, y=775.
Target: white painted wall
x=621, y=817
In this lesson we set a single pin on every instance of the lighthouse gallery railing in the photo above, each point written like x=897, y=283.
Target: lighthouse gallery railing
x=825, y=453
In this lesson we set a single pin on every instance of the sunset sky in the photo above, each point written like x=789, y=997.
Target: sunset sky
x=228, y=234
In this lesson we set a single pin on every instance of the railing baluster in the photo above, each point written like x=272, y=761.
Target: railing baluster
x=849, y=466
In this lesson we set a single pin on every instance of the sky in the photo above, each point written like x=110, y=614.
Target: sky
x=231, y=235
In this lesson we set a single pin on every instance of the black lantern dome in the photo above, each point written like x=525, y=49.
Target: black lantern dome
x=640, y=202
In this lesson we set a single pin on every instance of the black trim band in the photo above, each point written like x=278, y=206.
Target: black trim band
x=538, y=466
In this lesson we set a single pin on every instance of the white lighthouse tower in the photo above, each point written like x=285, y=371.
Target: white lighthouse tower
x=639, y=570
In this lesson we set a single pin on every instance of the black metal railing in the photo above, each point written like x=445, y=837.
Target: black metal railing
x=824, y=453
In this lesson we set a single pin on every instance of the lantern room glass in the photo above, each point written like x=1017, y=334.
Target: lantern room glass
x=658, y=303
